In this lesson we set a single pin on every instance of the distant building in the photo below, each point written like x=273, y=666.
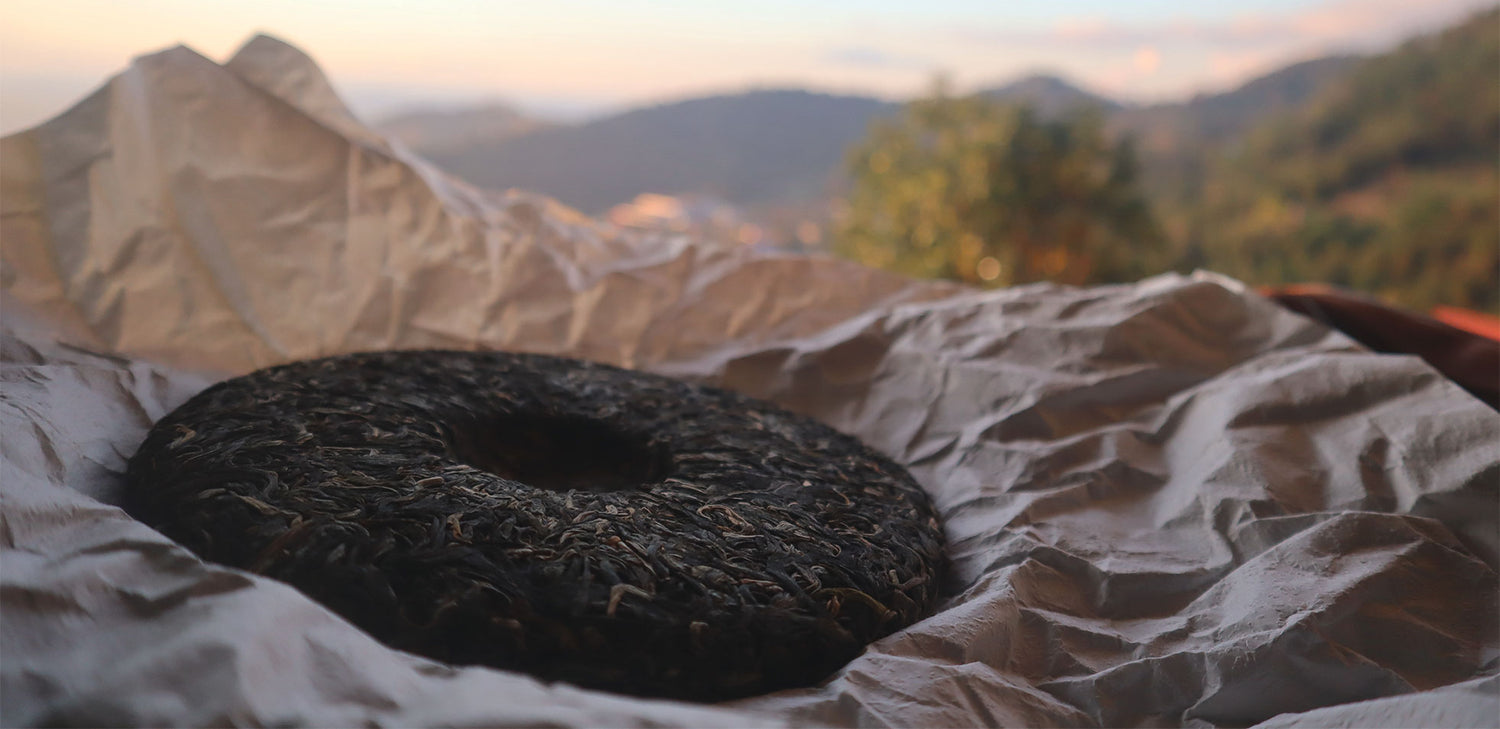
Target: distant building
x=699, y=216
x=705, y=217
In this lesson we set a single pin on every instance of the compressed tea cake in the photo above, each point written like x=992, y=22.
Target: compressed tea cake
x=575, y=521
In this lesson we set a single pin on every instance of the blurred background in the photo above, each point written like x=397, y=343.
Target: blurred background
x=1347, y=142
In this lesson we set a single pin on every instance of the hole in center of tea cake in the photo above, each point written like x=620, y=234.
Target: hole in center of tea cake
x=558, y=453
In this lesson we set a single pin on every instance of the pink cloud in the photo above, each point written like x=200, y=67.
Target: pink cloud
x=1227, y=67
x=1335, y=22
x=1352, y=19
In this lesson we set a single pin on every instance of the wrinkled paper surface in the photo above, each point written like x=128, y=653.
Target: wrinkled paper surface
x=1170, y=503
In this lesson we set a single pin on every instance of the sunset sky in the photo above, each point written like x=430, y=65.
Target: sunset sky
x=574, y=57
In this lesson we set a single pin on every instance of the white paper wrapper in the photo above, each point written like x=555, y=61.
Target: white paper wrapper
x=1167, y=503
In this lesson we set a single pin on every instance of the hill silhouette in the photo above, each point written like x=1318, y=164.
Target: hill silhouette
x=761, y=146
x=1050, y=96
x=779, y=146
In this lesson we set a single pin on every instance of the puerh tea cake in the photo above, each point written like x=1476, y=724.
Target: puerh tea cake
x=575, y=521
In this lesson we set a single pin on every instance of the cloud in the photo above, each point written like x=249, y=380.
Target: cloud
x=1147, y=59
x=1228, y=67
x=866, y=57
x=1332, y=23
x=1147, y=62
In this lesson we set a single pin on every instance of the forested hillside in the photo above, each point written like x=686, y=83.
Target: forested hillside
x=1386, y=182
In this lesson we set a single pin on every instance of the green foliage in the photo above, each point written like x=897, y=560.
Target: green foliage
x=1385, y=183
x=974, y=190
x=1384, y=179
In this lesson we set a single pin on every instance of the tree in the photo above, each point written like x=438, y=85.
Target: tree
x=977, y=191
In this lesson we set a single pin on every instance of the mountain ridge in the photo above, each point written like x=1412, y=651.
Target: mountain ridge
x=768, y=146
x=761, y=146
x=1050, y=95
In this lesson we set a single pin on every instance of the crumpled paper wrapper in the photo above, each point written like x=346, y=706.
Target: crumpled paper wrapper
x=1170, y=503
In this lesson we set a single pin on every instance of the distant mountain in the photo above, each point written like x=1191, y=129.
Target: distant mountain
x=455, y=130
x=755, y=147
x=778, y=146
x=1175, y=141
x=1372, y=172
x=1049, y=96
x=1217, y=117
x=751, y=148
x=1213, y=118
x=1431, y=105
x=1384, y=181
